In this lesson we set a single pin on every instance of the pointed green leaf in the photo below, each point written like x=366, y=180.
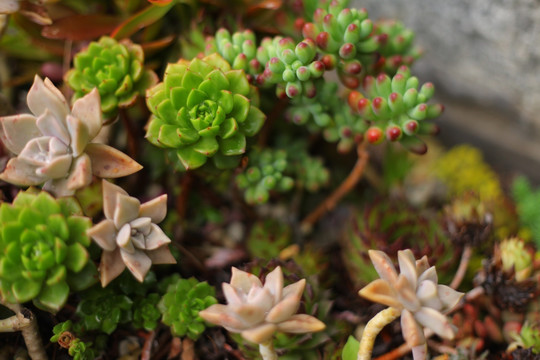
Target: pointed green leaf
x=235, y=145
x=58, y=226
x=77, y=229
x=350, y=350
x=207, y=146
x=226, y=101
x=190, y=158
x=240, y=108
x=12, y=233
x=25, y=290
x=254, y=121
x=191, y=80
x=8, y=213
x=218, y=62
x=46, y=204
x=56, y=275
x=228, y=128
x=238, y=82
x=154, y=97
x=76, y=258
x=69, y=206
x=167, y=111
x=179, y=96
x=218, y=80
x=196, y=97
x=200, y=67
x=23, y=199
x=85, y=278
x=55, y=296
x=168, y=136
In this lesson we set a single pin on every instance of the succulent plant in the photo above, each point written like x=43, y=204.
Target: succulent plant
x=43, y=250
x=204, y=109
x=115, y=68
x=103, y=310
x=181, y=305
x=527, y=200
x=145, y=312
x=239, y=49
x=265, y=173
x=528, y=338
x=77, y=348
x=129, y=235
x=54, y=145
x=415, y=293
x=268, y=238
x=396, y=109
x=292, y=66
x=391, y=226
x=257, y=312
x=514, y=255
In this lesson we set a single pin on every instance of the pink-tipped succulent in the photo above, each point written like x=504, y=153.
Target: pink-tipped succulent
x=54, y=145
x=129, y=235
x=257, y=312
x=415, y=292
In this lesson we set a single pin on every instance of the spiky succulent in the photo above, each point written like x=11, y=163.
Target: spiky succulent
x=204, y=109
x=415, y=292
x=54, y=145
x=292, y=66
x=129, y=235
x=391, y=226
x=257, y=312
x=265, y=173
x=77, y=348
x=396, y=108
x=115, y=68
x=181, y=305
x=43, y=250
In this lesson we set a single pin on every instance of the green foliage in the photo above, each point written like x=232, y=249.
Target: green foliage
x=145, y=312
x=391, y=226
x=528, y=207
x=77, y=348
x=181, y=304
x=529, y=337
x=116, y=69
x=265, y=173
x=43, y=250
x=103, y=310
x=204, y=109
x=350, y=350
x=267, y=238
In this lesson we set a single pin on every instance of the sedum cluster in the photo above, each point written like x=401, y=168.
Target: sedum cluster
x=204, y=109
x=43, y=250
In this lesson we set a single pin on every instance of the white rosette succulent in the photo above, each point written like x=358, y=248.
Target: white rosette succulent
x=129, y=235
x=54, y=144
x=257, y=312
x=415, y=293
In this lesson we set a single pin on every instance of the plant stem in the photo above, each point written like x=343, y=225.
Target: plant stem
x=462, y=269
x=267, y=350
x=29, y=331
x=346, y=186
x=373, y=328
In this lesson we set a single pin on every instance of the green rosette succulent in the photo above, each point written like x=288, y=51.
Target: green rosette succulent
x=181, y=304
x=204, y=109
x=396, y=109
x=145, y=313
x=115, y=68
x=77, y=348
x=43, y=250
x=265, y=174
x=392, y=226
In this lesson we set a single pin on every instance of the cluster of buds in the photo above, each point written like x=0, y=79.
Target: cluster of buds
x=395, y=46
x=293, y=67
x=264, y=175
x=239, y=49
x=396, y=108
x=344, y=37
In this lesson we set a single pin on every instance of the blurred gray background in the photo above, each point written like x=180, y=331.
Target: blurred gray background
x=484, y=58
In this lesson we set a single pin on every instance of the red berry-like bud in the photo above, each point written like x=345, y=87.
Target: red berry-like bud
x=318, y=15
x=374, y=135
x=377, y=102
x=362, y=105
x=309, y=31
x=299, y=24
x=328, y=19
x=393, y=133
x=329, y=61
x=353, y=67
x=353, y=98
x=346, y=132
x=322, y=40
x=350, y=81
x=410, y=127
x=394, y=96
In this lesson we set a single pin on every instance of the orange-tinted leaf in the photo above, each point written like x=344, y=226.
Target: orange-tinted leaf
x=160, y=2
x=81, y=27
x=140, y=20
x=266, y=4
x=157, y=45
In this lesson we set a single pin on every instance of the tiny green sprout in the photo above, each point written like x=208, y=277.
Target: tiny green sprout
x=116, y=69
x=43, y=250
x=204, y=109
x=77, y=348
x=181, y=305
x=265, y=173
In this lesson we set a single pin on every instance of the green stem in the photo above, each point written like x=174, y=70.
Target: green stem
x=373, y=328
x=267, y=351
